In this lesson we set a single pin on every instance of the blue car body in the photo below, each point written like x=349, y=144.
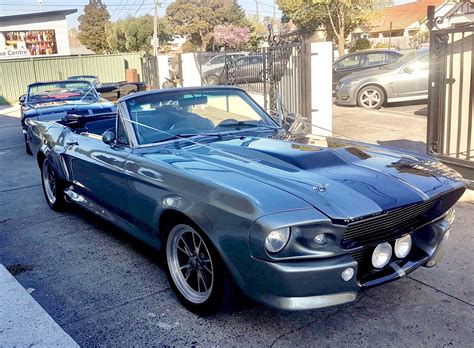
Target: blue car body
x=239, y=186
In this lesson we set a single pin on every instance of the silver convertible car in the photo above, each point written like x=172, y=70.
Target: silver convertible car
x=236, y=201
x=406, y=79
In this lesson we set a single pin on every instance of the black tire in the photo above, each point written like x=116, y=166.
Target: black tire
x=27, y=145
x=49, y=178
x=220, y=290
x=212, y=80
x=371, y=97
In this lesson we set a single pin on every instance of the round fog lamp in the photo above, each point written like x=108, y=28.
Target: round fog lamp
x=277, y=239
x=381, y=255
x=347, y=274
x=403, y=246
x=320, y=239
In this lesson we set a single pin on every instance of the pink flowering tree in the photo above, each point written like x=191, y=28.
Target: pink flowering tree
x=230, y=36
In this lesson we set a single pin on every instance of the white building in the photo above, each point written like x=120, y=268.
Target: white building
x=34, y=34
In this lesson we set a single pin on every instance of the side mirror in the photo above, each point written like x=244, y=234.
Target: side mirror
x=108, y=137
x=408, y=69
x=22, y=99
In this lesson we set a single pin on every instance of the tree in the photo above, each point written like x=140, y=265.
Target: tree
x=134, y=34
x=338, y=17
x=197, y=18
x=230, y=36
x=92, y=26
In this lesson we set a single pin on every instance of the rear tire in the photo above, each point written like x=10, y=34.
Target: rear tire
x=371, y=97
x=195, y=270
x=53, y=187
x=27, y=145
x=212, y=80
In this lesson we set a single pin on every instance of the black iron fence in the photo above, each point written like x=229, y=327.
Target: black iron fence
x=451, y=89
x=275, y=74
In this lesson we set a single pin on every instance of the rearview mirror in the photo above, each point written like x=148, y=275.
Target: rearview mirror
x=108, y=137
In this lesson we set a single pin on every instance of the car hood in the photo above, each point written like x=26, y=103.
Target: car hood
x=343, y=180
x=64, y=107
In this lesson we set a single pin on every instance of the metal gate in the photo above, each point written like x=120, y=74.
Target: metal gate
x=276, y=76
x=451, y=87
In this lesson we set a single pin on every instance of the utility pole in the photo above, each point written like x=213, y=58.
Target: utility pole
x=155, y=42
x=256, y=8
x=274, y=13
x=40, y=5
x=390, y=37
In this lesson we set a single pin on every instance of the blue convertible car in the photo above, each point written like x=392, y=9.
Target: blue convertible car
x=235, y=201
x=51, y=101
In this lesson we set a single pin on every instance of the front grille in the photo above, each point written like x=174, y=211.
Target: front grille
x=387, y=226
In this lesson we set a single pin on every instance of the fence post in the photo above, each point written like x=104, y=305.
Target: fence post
x=320, y=101
x=34, y=68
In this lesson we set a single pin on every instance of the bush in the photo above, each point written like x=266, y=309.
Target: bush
x=188, y=46
x=381, y=45
x=361, y=44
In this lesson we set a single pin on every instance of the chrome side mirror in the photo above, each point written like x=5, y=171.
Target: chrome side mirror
x=22, y=99
x=108, y=137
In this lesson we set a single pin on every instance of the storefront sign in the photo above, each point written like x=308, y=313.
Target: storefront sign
x=16, y=44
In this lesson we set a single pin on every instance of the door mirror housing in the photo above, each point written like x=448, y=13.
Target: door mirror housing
x=22, y=99
x=108, y=137
x=408, y=69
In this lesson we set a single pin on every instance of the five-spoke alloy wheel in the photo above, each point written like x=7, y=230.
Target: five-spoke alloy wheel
x=371, y=97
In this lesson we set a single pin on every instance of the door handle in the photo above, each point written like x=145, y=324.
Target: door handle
x=71, y=143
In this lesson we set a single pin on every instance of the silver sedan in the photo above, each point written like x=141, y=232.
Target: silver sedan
x=403, y=80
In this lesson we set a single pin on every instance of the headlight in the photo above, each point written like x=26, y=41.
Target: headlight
x=403, y=246
x=277, y=239
x=382, y=255
x=348, y=83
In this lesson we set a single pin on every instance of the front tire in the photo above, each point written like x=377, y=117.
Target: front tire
x=212, y=80
x=195, y=270
x=371, y=97
x=52, y=187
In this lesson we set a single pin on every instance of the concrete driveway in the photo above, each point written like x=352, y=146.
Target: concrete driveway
x=105, y=288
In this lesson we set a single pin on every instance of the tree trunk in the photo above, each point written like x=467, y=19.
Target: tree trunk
x=341, y=42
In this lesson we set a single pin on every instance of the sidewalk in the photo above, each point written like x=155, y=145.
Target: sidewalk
x=23, y=322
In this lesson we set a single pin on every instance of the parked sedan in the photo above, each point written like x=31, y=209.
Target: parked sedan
x=235, y=201
x=112, y=90
x=361, y=60
x=403, y=80
x=53, y=100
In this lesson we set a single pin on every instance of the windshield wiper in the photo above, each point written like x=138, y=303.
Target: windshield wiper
x=240, y=124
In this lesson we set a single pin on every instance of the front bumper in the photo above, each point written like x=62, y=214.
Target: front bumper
x=345, y=96
x=310, y=284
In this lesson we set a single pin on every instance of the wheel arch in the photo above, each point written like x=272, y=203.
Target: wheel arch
x=40, y=157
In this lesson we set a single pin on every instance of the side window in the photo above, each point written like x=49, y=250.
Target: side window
x=353, y=61
x=122, y=138
x=374, y=59
x=390, y=57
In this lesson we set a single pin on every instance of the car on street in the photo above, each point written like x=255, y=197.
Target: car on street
x=248, y=69
x=361, y=60
x=403, y=80
x=50, y=101
x=112, y=90
x=235, y=201
x=218, y=61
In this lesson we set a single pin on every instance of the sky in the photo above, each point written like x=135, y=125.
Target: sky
x=117, y=8
x=122, y=8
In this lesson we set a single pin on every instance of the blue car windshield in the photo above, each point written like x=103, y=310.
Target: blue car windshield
x=74, y=91
x=166, y=115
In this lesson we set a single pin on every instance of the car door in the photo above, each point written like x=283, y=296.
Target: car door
x=412, y=80
x=97, y=169
x=346, y=66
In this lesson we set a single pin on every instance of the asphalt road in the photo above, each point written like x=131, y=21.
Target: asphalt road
x=105, y=288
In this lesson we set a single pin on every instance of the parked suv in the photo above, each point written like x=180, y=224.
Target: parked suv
x=403, y=80
x=361, y=60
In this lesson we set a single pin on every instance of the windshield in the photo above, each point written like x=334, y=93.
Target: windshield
x=162, y=116
x=405, y=59
x=61, y=91
x=91, y=79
